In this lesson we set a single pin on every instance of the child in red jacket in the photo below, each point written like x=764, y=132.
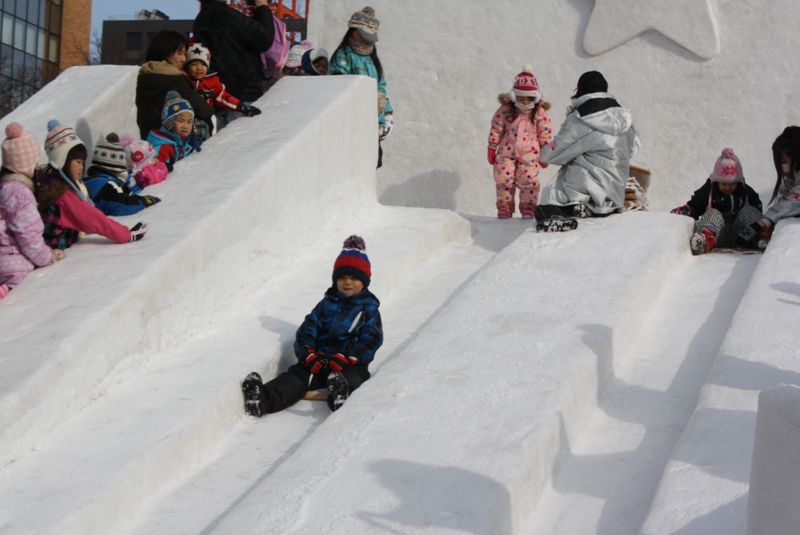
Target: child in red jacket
x=67, y=210
x=198, y=58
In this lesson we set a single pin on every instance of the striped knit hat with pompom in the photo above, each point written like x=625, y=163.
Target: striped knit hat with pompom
x=353, y=261
x=60, y=140
x=109, y=157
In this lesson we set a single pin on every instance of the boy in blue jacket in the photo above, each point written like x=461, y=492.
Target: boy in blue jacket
x=111, y=187
x=334, y=345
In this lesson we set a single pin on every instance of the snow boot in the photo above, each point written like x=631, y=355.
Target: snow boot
x=702, y=242
x=581, y=211
x=339, y=390
x=526, y=213
x=253, y=390
x=764, y=236
x=503, y=214
x=557, y=224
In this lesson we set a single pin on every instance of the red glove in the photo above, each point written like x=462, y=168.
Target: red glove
x=680, y=210
x=492, y=156
x=314, y=363
x=339, y=362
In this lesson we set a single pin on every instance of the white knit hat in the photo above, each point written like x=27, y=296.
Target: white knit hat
x=295, y=57
x=60, y=140
x=197, y=52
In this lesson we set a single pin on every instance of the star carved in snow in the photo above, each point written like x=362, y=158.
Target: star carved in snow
x=689, y=23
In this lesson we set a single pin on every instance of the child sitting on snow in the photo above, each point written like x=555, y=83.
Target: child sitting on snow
x=175, y=140
x=22, y=247
x=111, y=187
x=63, y=199
x=785, y=199
x=334, y=345
x=209, y=86
x=520, y=127
x=142, y=163
x=724, y=207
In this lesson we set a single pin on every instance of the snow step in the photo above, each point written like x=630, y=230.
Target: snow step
x=704, y=486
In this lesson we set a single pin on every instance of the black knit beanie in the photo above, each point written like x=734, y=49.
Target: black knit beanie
x=591, y=82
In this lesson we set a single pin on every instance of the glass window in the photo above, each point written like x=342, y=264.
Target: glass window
x=19, y=34
x=42, y=12
x=55, y=20
x=8, y=6
x=33, y=11
x=52, y=51
x=30, y=40
x=5, y=60
x=22, y=9
x=18, y=64
x=7, y=35
x=133, y=41
x=40, y=43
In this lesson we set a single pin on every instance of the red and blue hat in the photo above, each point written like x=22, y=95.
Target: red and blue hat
x=353, y=261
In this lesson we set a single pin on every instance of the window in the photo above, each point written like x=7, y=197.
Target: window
x=7, y=35
x=19, y=34
x=30, y=40
x=133, y=42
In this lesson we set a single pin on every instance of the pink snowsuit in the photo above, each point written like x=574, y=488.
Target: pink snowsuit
x=517, y=144
x=21, y=245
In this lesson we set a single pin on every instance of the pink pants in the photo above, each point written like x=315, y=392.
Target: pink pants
x=14, y=268
x=509, y=174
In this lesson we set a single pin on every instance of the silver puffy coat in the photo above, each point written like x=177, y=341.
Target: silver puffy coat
x=594, y=153
x=788, y=202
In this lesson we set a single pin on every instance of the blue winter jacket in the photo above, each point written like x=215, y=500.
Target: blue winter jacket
x=112, y=196
x=340, y=324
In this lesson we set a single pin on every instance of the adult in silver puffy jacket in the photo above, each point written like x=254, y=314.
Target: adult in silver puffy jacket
x=593, y=148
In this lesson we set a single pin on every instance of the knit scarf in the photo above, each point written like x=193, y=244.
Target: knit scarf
x=362, y=49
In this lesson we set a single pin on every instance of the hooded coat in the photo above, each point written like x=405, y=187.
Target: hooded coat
x=593, y=148
x=787, y=204
x=155, y=80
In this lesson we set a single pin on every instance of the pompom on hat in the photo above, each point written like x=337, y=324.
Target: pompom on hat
x=197, y=52
x=728, y=168
x=353, y=261
x=20, y=150
x=174, y=104
x=295, y=57
x=60, y=140
x=525, y=85
x=365, y=22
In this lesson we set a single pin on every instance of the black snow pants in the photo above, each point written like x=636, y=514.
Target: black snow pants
x=289, y=387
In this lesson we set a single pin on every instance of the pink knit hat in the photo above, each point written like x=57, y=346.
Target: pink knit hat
x=20, y=150
x=525, y=84
x=728, y=168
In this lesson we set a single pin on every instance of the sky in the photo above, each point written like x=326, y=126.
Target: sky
x=175, y=9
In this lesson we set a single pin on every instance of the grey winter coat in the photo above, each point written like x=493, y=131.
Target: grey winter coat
x=788, y=202
x=593, y=148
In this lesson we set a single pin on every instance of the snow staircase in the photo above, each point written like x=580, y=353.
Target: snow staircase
x=705, y=484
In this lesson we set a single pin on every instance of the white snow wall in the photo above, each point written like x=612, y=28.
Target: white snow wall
x=217, y=235
x=772, y=505
x=446, y=61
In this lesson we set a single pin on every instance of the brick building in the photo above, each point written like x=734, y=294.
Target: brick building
x=38, y=40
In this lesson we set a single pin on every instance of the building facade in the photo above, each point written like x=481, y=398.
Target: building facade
x=38, y=40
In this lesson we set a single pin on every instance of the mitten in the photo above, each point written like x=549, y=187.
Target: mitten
x=138, y=231
x=764, y=236
x=149, y=200
x=388, y=126
x=315, y=363
x=544, y=165
x=59, y=254
x=206, y=93
x=195, y=141
x=381, y=102
x=339, y=362
x=247, y=110
x=170, y=166
x=491, y=155
x=680, y=210
x=748, y=237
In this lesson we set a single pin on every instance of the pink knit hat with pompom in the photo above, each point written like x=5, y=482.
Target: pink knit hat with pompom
x=728, y=168
x=20, y=150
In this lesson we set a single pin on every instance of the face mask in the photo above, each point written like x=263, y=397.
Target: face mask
x=524, y=107
x=787, y=168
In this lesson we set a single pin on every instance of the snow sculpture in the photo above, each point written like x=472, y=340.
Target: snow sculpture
x=689, y=23
x=775, y=471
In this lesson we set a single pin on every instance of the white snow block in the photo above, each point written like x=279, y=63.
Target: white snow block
x=704, y=487
x=231, y=217
x=460, y=432
x=773, y=504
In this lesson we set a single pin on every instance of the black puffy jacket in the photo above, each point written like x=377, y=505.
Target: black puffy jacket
x=236, y=42
x=727, y=204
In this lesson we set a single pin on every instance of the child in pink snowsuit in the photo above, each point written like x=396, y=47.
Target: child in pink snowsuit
x=519, y=128
x=22, y=247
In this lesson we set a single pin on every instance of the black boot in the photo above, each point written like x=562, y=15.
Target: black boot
x=339, y=390
x=253, y=390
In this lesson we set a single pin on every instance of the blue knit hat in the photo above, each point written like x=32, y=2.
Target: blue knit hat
x=173, y=105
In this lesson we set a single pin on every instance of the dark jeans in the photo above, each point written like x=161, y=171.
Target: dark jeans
x=289, y=387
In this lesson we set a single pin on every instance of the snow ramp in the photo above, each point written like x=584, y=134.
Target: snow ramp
x=261, y=195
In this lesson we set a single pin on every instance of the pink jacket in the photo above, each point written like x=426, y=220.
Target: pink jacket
x=82, y=216
x=21, y=225
x=521, y=139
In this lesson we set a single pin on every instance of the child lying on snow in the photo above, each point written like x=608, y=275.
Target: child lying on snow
x=334, y=345
x=725, y=208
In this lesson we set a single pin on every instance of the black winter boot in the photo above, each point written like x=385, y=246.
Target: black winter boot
x=253, y=390
x=339, y=390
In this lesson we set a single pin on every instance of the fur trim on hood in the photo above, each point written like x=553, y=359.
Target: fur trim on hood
x=502, y=98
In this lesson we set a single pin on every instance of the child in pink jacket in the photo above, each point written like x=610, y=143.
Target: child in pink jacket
x=520, y=127
x=67, y=210
x=21, y=245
